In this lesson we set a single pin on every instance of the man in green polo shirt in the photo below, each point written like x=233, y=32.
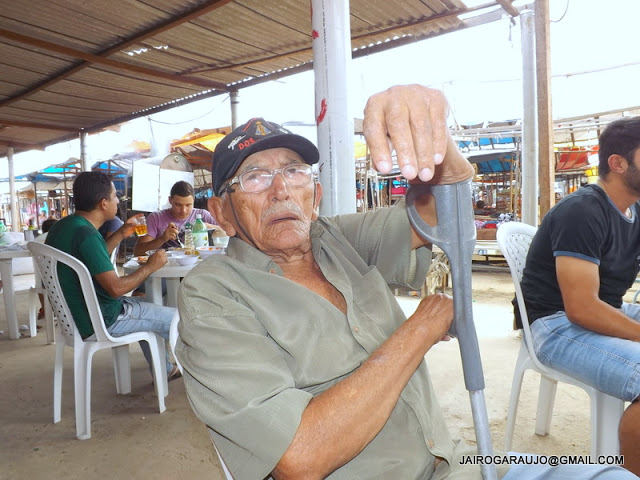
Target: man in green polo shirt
x=96, y=202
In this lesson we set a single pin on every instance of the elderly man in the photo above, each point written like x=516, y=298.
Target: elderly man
x=95, y=200
x=165, y=226
x=295, y=351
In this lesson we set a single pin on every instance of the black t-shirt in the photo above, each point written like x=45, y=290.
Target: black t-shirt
x=587, y=225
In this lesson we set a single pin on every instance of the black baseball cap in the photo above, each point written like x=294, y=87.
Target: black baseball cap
x=255, y=136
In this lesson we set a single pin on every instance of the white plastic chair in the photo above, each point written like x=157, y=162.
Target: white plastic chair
x=47, y=260
x=34, y=302
x=514, y=239
x=173, y=338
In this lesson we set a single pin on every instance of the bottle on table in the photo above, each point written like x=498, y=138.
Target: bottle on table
x=200, y=234
x=189, y=248
x=3, y=231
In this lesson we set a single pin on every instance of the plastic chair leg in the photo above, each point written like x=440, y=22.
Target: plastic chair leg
x=606, y=412
x=522, y=364
x=48, y=321
x=158, y=356
x=82, y=391
x=546, y=398
x=122, y=368
x=58, y=369
x=33, y=311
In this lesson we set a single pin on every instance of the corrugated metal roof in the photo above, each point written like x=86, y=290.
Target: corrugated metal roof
x=68, y=66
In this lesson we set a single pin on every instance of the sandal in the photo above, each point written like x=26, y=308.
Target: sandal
x=175, y=373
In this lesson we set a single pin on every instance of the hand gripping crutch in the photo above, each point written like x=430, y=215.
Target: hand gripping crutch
x=455, y=234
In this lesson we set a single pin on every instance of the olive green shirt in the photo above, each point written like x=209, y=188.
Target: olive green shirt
x=256, y=347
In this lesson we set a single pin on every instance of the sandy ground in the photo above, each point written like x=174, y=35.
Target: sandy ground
x=131, y=440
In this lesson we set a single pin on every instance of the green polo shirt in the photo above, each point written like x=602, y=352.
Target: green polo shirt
x=76, y=236
x=256, y=347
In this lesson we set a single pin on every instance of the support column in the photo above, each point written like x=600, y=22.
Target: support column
x=15, y=214
x=546, y=158
x=529, y=121
x=235, y=101
x=331, y=34
x=84, y=158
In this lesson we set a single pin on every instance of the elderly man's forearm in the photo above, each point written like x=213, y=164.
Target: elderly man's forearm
x=340, y=422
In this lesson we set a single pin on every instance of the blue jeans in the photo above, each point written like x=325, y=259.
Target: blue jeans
x=567, y=472
x=610, y=364
x=138, y=316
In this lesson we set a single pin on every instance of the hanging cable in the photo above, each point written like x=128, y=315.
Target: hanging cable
x=193, y=119
x=566, y=8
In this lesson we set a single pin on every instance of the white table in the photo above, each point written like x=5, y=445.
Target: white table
x=171, y=271
x=6, y=271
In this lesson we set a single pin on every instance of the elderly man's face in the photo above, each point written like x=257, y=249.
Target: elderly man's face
x=277, y=219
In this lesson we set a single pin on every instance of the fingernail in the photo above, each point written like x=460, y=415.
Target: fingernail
x=408, y=172
x=425, y=174
x=437, y=158
x=384, y=166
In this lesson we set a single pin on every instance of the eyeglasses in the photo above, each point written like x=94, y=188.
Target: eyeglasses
x=258, y=180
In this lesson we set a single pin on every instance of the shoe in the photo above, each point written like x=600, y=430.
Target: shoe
x=175, y=373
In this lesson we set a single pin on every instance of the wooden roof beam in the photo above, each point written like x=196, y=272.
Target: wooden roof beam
x=508, y=7
x=45, y=126
x=91, y=58
x=127, y=42
x=21, y=146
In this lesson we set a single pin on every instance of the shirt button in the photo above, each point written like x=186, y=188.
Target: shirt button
x=273, y=270
x=430, y=443
x=356, y=329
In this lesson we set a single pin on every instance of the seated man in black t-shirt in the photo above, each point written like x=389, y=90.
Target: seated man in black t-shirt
x=583, y=259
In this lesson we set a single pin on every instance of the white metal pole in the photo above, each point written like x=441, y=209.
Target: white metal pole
x=331, y=61
x=84, y=158
x=529, y=120
x=15, y=216
x=234, y=96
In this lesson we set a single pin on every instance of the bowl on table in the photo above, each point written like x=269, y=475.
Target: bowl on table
x=186, y=260
x=208, y=251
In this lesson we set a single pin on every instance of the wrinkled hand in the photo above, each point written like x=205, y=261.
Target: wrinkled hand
x=436, y=311
x=170, y=233
x=157, y=260
x=413, y=120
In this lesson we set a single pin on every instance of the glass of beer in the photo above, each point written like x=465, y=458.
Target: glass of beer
x=141, y=226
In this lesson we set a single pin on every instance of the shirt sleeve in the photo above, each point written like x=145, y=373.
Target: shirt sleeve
x=244, y=394
x=581, y=236
x=154, y=227
x=92, y=251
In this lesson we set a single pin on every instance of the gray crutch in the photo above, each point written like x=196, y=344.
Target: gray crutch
x=455, y=234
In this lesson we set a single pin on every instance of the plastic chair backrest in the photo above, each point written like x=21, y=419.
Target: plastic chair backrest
x=47, y=259
x=514, y=239
x=114, y=257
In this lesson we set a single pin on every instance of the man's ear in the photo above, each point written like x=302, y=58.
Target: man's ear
x=617, y=163
x=215, y=207
x=317, y=192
